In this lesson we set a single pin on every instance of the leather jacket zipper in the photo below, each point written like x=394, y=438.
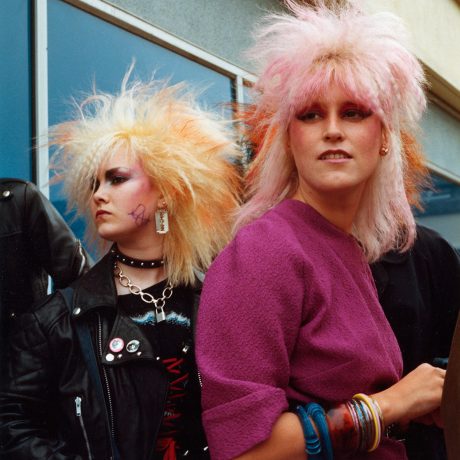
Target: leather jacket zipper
x=82, y=425
x=106, y=380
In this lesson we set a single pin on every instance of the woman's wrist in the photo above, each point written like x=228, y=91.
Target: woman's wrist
x=388, y=407
x=355, y=425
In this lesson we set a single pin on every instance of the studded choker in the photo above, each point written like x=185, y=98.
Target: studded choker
x=138, y=263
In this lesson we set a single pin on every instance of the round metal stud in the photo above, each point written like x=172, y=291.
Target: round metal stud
x=109, y=357
x=6, y=193
x=132, y=346
x=119, y=356
x=139, y=353
x=77, y=311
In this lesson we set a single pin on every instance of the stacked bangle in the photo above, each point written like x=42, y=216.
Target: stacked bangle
x=377, y=418
x=356, y=425
x=312, y=441
x=316, y=412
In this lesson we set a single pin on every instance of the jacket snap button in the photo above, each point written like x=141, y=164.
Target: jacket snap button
x=133, y=346
x=6, y=193
x=109, y=357
x=77, y=311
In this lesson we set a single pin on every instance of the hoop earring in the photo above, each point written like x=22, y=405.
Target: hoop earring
x=383, y=151
x=162, y=219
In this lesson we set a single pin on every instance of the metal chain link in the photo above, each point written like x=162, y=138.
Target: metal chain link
x=145, y=296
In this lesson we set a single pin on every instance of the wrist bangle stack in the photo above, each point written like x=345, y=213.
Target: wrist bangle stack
x=312, y=442
x=375, y=425
x=356, y=425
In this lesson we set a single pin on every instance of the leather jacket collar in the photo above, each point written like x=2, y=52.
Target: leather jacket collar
x=96, y=289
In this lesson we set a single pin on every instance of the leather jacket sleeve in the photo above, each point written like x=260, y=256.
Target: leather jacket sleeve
x=26, y=399
x=53, y=243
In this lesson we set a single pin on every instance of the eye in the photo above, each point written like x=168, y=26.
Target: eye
x=310, y=115
x=115, y=180
x=355, y=113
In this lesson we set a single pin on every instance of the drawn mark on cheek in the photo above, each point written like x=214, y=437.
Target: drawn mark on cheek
x=138, y=215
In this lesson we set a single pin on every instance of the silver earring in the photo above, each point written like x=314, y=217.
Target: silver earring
x=162, y=220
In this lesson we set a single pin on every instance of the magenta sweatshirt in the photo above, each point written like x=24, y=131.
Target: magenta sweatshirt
x=289, y=312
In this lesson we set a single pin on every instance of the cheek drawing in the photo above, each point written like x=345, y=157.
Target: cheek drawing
x=138, y=215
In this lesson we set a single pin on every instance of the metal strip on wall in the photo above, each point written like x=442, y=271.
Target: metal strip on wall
x=41, y=95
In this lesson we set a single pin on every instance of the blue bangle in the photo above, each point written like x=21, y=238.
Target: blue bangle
x=316, y=412
x=312, y=441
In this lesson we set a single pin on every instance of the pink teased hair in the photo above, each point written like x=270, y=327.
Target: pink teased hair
x=299, y=56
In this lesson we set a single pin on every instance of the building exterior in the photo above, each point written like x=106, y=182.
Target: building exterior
x=53, y=50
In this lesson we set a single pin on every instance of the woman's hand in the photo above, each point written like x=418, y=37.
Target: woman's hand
x=417, y=397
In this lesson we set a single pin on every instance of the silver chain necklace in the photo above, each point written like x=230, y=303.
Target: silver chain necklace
x=145, y=296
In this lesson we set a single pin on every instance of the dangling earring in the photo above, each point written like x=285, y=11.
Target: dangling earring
x=161, y=219
x=383, y=151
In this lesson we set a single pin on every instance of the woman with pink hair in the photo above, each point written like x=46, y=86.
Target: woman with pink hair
x=303, y=363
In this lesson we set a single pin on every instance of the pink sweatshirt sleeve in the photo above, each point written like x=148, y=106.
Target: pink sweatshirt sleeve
x=249, y=317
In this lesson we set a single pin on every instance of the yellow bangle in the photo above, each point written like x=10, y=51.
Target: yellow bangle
x=376, y=416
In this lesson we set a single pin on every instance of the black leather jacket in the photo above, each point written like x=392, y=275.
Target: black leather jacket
x=34, y=242
x=50, y=406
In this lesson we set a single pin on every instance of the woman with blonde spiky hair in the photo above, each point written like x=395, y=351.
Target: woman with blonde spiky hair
x=107, y=369
x=306, y=340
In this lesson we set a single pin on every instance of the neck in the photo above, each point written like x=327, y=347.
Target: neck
x=141, y=251
x=141, y=277
x=339, y=210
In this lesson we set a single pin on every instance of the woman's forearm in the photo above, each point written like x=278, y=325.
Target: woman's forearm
x=286, y=442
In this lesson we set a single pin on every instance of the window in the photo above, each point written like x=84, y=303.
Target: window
x=442, y=209
x=15, y=92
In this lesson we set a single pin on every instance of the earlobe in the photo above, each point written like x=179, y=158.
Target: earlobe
x=384, y=149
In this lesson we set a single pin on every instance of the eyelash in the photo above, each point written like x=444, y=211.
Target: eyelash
x=355, y=113
x=115, y=180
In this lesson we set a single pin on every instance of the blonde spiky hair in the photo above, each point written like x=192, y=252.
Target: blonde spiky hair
x=187, y=153
x=299, y=56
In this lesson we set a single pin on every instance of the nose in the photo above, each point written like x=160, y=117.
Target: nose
x=100, y=195
x=333, y=130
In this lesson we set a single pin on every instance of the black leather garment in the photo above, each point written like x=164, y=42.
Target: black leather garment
x=34, y=242
x=50, y=406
